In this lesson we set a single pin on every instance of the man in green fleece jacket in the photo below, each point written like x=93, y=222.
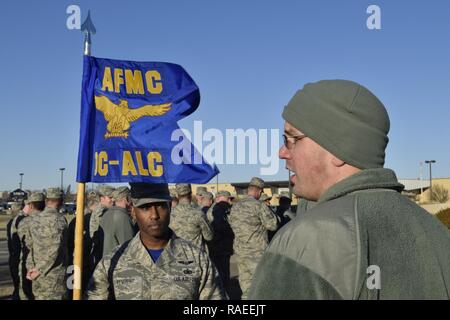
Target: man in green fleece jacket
x=359, y=238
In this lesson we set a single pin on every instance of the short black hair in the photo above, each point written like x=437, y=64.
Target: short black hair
x=38, y=205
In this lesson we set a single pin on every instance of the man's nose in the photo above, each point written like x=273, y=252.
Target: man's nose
x=283, y=153
x=153, y=214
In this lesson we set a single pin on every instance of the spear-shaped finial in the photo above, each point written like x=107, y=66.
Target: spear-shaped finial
x=88, y=28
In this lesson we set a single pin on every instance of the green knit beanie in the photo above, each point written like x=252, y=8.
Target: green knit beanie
x=344, y=118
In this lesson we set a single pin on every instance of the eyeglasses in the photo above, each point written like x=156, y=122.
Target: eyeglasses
x=288, y=144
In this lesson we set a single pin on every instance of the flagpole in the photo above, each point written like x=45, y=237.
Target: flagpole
x=87, y=28
x=79, y=226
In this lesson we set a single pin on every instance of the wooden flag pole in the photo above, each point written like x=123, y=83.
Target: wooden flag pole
x=79, y=227
x=87, y=28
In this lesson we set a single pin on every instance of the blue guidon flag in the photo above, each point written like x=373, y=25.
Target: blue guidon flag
x=129, y=111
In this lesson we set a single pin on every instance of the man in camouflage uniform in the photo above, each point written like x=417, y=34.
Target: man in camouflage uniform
x=106, y=202
x=265, y=199
x=47, y=261
x=116, y=222
x=207, y=201
x=96, y=234
x=199, y=192
x=35, y=204
x=155, y=264
x=222, y=195
x=188, y=221
x=250, y=220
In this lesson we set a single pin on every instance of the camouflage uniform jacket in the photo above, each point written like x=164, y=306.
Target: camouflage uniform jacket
x=46, y=238
x=96, y=216
x=23, y=226
x=250, y=219
x=182, y=271
x=23, y=231
x=190, y=224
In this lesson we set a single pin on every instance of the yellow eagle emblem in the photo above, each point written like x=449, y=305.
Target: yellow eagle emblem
x=119, y=115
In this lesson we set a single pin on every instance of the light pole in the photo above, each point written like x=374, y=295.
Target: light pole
x=62, y=185
x=421, y=177
x=431, y=186
x=20, y=184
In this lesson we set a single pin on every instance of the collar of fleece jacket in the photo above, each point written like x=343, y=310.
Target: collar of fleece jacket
x=379, y=178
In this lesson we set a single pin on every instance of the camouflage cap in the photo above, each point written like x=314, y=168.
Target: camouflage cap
x=144, y=193
x=264, y=197
x=257, y=182
x=200, y=191
x=285, y=194
x=93, y=197
x=208, y=195
x=54, y=193
x=105, y=190
x=121, y=193
x=183, y=189
x=93, y=194
x=224, y=193
x=173, y=194
x=35, y=197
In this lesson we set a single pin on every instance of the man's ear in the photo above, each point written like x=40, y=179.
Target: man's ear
x=133, y=213
x=337, y=162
